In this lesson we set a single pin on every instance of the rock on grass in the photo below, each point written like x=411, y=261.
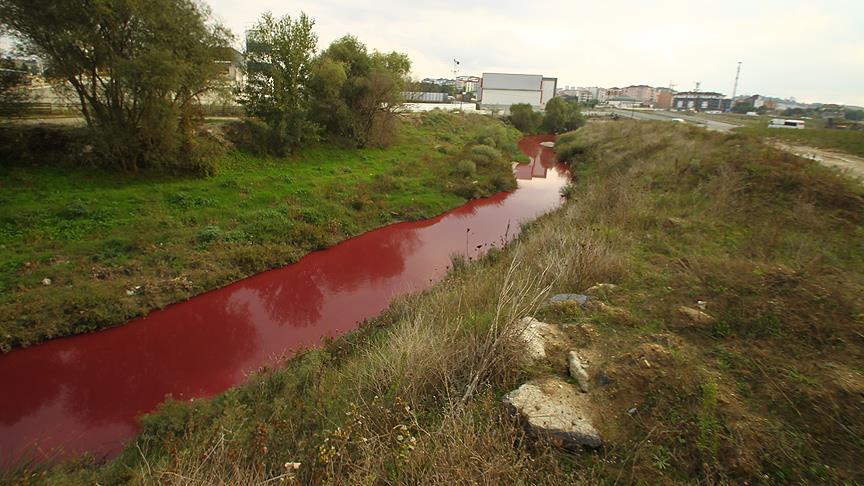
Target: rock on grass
x=555, y=410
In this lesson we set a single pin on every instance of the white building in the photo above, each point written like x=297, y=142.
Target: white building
x=596, y=93
x=500, y=90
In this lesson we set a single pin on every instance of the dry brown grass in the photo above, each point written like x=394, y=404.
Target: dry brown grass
x=769, y=392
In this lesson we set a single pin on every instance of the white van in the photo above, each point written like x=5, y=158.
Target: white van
x=781, y=123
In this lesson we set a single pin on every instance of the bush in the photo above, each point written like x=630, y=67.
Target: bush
x=562, y=115
x=524, y=118
x=249, y=135
x=499, y=136
x=484, y=154
x=568, y=146
x=465, y=168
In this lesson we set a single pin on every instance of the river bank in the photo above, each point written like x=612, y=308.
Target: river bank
x=727, y=351
x=83, y=394
x=84, y=249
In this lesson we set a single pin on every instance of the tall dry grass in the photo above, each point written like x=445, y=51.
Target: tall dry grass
x=672, y=214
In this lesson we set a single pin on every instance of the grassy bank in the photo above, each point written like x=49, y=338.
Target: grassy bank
x=768, y=392
x=82, y=249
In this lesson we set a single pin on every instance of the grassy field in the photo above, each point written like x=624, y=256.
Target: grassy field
x=768, y=392
x=82, y=249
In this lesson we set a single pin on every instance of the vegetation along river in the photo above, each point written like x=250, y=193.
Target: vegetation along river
x=84, y=393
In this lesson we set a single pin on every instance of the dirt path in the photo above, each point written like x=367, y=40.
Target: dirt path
x=848, y=163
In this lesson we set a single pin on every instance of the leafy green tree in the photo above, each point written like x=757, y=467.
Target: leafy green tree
x=742, y=108
x=562, y=115
x=524, y=118
x=358, y=94
x=279, y=54
x=137, y=67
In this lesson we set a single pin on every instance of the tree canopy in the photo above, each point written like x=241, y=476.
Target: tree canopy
x=562, y=115
x=279, y=53
x=358, y=93
x=524, y=118
x=137, y=67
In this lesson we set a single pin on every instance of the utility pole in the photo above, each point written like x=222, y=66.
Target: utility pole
x=698, y=99
x=455, y=81
x=735, y=87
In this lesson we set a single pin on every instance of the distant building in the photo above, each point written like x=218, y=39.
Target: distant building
x=615, y=92
x=599, y=94
x=230, y=63
x=663, y=98
x=642, y=93
x=759, y=101
x=701, y=101
x=467, y=84
x=500, y=90
x=623, y=102
x=424, y=97
x=584, y=95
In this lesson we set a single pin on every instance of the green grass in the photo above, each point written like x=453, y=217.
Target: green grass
x=671, y=214
x=97, y=235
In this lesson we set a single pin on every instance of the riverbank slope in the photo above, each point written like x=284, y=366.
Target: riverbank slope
x=84, y=249
x=728, y=350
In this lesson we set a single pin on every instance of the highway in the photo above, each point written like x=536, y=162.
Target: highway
x=669, y=116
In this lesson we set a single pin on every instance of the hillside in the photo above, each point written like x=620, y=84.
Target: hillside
x=728, y=350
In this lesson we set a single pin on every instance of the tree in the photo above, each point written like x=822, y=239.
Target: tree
x=279, y=55
x=14, y=97
x=854, y=115
x=742, y=108
x=562, y=115
x=524, y=118
x=364, y=107
x=137, y=67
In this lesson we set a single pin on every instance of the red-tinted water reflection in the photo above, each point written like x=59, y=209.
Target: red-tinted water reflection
x=84, y=393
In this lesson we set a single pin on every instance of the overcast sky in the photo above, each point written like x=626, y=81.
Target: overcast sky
x=812, y=50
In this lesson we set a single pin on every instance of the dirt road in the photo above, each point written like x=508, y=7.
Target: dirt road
x=848, y=163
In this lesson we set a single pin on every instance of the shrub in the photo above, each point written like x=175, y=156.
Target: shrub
x=568, y=191
x=466, y=168
x=209, y=234
x=562, y=115
x=568, y=146
x=499, y=136
x=484, y=154
x=524, y=118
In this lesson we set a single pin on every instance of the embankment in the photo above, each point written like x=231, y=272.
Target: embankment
x=730, y=349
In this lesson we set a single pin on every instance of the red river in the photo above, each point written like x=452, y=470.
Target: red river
x=83, y=394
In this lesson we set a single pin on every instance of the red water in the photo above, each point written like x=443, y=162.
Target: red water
x=84, y=393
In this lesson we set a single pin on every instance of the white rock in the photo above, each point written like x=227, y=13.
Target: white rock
x=577, y=371
x=601, y=287
x=46, y=281
x=534, y=335
x=554, y=409
x=695, y=315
